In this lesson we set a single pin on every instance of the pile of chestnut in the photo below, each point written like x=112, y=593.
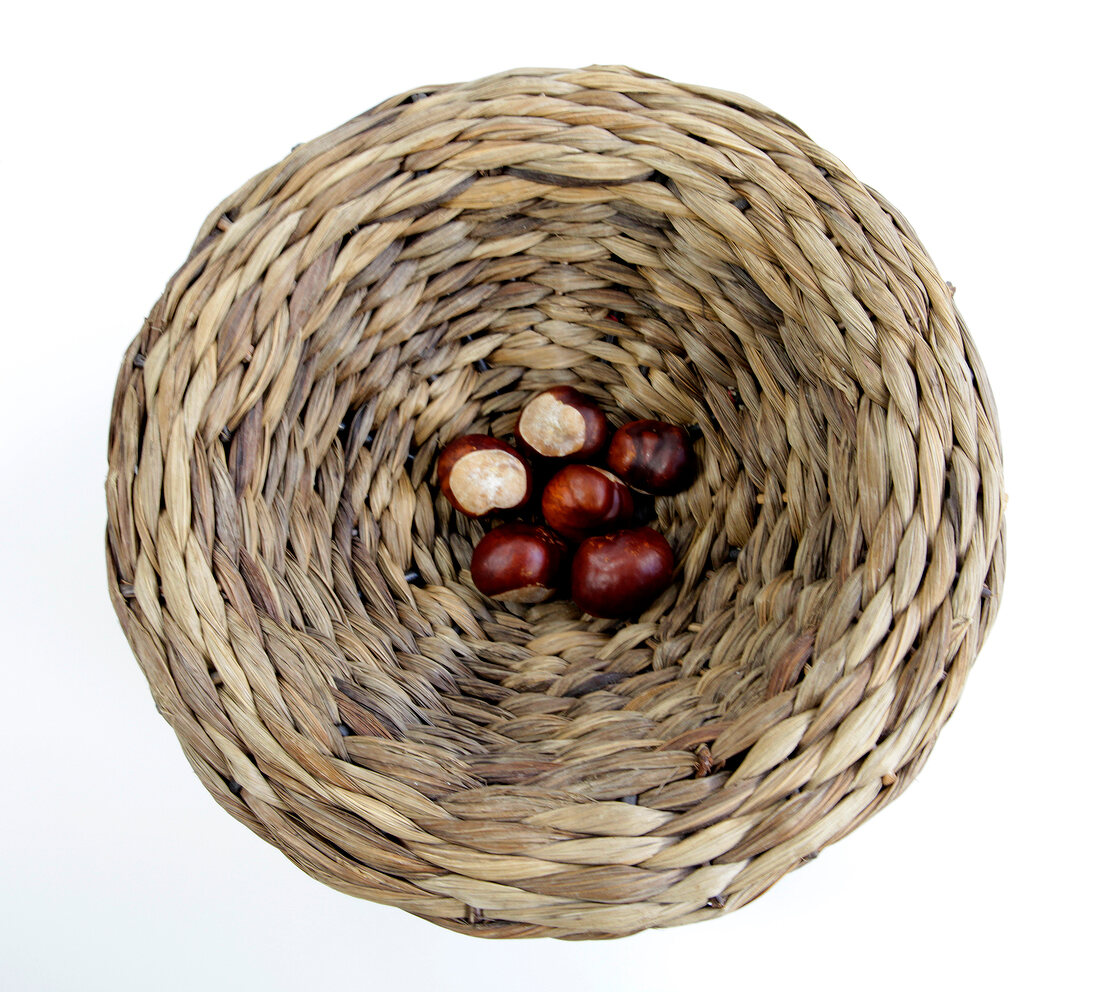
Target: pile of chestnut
x=587, y=510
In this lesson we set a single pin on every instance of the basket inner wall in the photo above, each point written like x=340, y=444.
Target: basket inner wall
x=514, y=693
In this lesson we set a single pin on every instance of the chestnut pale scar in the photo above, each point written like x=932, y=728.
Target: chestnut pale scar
x=552, y=428
x=488, y=480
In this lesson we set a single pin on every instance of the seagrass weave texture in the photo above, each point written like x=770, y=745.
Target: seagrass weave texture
x=297, y=592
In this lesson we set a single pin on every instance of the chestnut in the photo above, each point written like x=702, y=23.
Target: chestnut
x=519, y=563
x=479, y=473
x=653, y=456
x=620, y=574
x=582, y=499
x=562, y=423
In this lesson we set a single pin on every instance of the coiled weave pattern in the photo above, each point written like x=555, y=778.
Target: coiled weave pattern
x=297, y=592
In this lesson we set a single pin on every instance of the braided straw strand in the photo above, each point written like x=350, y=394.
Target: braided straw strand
x=297, y=592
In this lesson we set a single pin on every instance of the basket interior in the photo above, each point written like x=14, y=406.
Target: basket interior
x=419, y=350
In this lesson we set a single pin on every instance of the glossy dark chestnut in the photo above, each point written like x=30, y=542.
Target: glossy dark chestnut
x=653, y=456
x=581, y=500
x=519, y=563
x=619, y=575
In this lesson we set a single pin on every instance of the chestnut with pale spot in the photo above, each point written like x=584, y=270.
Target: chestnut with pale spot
x=479, y=473
x=519, y=563
x=618, y=575
x=582, y=499
x=653, y=456
x=562, y=423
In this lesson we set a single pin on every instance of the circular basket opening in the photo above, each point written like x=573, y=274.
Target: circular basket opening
x=297, y=590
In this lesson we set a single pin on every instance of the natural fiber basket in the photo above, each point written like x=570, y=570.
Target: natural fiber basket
x=298, y=593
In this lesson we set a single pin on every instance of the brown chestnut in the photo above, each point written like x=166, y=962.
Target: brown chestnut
x=653, y=456
x=582, y=499
x=619, y=575
x=519, y=563
x=562, y=423
x=479, y=473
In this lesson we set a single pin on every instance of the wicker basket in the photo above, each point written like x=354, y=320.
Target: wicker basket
x=298, y=593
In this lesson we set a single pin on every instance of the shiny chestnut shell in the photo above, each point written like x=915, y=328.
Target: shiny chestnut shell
x=619, y=575
x=653, y=456
x=580, y=500
x=519, y=563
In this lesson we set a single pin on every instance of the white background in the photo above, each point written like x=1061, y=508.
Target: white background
x=123, y=125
